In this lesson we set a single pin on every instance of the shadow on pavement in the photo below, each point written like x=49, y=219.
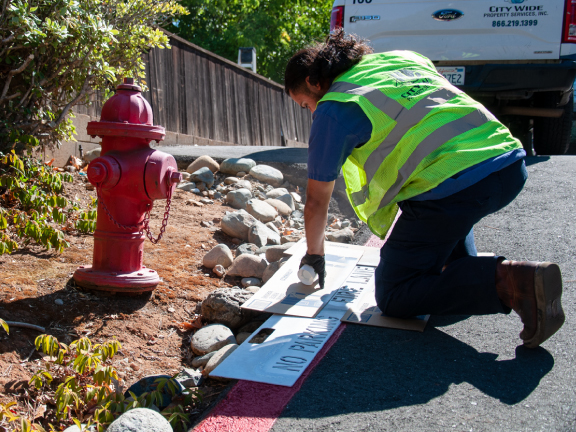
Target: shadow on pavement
x=372, y=369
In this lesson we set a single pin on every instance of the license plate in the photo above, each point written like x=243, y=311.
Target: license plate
x=454, y=74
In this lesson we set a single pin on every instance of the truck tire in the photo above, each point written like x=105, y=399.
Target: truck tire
x=552, y=135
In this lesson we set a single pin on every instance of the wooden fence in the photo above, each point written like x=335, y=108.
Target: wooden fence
x=213, y=101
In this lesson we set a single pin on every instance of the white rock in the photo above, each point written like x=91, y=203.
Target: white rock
x=219, y=357
x=275, y=193
x=239, y=198
x=282, y=208
x=267, y=174
x=219, y=270
x=236, y=165
x=211, y=338
x=258, y=234
x=275, y=253
x=247, y=265
x=261, y=210
x=247, y=282
x=272, y=226
x=345, y=235
x=185, y=175
x=296, y=197
x=188, y=186
x=202, y=360
x=230, y=180
x=89, y=156
x=140, y=420
x=287, y=198
x=201, y=162
x=241, y=174
x=237, y=224
x=243, y=184
x=219, y=254
x=253, y=289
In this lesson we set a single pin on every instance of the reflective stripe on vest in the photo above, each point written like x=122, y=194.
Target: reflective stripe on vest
x=406, y=119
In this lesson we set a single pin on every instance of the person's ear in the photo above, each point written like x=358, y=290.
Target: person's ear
x=315, y=88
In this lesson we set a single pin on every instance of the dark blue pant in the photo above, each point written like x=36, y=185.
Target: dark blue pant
x=431, y=234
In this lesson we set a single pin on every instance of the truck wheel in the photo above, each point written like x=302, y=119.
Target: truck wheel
x=552, y=135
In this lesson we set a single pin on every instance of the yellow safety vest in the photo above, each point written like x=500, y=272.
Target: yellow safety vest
x=424, y=130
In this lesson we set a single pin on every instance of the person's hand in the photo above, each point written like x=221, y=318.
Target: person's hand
x=318, y=263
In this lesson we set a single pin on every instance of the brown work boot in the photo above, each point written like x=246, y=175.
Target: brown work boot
x=533, y=290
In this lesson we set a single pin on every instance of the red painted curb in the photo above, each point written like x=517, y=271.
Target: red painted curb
x=254, y=407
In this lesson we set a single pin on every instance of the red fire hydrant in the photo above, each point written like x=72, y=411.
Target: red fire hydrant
x=128, y=176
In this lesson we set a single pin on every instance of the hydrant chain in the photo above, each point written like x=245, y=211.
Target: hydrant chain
x=164, y=221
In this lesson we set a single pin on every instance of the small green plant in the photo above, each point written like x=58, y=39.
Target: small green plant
x=82, y=386
x=32, y=207
x=86, y=222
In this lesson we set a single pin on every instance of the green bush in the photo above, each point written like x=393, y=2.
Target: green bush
x=53, y=54
x=81, y=386
x=32, y=207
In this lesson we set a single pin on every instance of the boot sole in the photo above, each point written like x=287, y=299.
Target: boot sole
x=548, y=289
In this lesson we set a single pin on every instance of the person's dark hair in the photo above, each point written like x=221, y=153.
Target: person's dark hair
x=322, y=63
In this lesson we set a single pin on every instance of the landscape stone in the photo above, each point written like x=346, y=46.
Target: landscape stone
x=275, y=193
x=241, y=337
x=219, y=357
x=241, y=174
x=246, y=248
x=297, y=214
x=239, y=198
x=261, y=210
x=201, y=361
x=267, y=174
x=190, y=377
x=235, y=165
x=219, y=270
x=244, y=184
x=219, y=254
x=283, y=208
x=345, y=235
x=246, y=282
x=140, y=420
x=296, y=197
x=274, y=253
x=201, y=162
x=253, y=289
x=211, y=338
x=223, y=306
x=287, y=198
x=203, y=175
x=294, y=237
x=271, y=269
x=185, y=175
x=273, y=227
x=186, y=186
x=237, y=224
x=230, y=180
x=247, y=265
x=258, y=234
x=90, y=155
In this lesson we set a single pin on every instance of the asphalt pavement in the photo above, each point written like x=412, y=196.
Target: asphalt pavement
x=462, y=373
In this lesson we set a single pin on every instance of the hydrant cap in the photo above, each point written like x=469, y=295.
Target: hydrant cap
x=127, y=105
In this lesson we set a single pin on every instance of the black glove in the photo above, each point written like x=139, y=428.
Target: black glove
x=318, y=263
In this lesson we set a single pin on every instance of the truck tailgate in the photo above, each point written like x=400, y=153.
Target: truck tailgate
x=462, y=30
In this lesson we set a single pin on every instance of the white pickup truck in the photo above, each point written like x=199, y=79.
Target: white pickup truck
x=517, y=57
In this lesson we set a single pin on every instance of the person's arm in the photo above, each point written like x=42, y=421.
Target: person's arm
x=318, y=195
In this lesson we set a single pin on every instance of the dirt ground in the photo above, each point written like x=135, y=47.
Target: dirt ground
x=148, y=326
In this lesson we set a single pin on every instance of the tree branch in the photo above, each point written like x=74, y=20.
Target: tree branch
x=74, y=101
x=7, y=98
x=14, y=72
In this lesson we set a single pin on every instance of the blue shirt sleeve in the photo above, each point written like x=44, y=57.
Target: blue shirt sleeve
x=337, y=129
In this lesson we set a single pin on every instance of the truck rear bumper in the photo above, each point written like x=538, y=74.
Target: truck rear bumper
x=491, y=78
